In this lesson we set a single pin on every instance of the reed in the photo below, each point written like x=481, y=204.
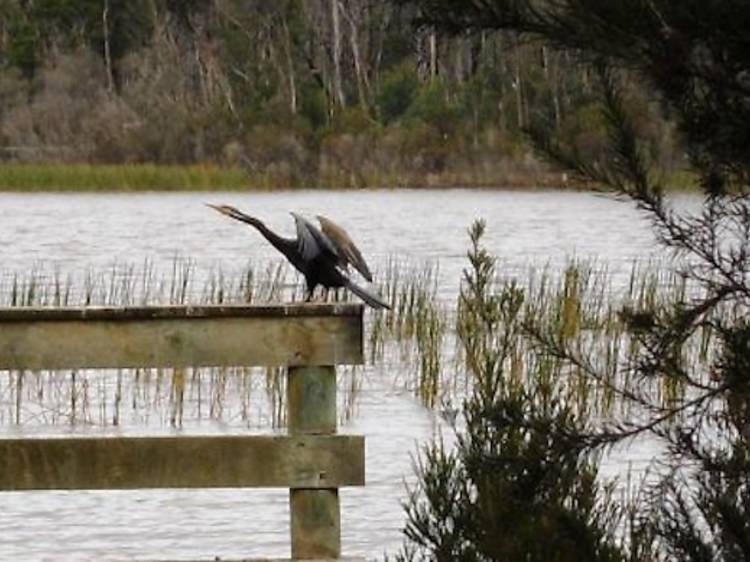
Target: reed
x=431, y=324
x=122, y=177
x=419, y=344
x=578, y=306
x=155, y=397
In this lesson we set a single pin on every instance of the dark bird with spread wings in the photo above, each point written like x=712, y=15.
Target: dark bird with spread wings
x=321, y=255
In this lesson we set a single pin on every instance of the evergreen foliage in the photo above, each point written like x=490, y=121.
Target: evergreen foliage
x=246, y=82
x=397, y=92
x=694, y=61
x=516, y=487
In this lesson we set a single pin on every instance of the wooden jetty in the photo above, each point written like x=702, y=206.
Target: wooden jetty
x=311, y=460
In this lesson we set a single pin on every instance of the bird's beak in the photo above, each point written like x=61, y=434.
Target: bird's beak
x=223, y=209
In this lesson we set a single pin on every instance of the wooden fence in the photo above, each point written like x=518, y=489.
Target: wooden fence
x=311, y=460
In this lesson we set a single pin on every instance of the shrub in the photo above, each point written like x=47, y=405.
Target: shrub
x=397, y=91
x=517, y=486
x=431, y=106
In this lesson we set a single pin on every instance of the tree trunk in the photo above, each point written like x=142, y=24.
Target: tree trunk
x=290, y=66
x=433, y=55
x=518, y=87
x=337, y=85
x=107, y=53
x=378, y=27
x=363, y=85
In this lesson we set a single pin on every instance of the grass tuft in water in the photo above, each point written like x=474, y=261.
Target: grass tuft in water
x=120, y=177
x=421, y=342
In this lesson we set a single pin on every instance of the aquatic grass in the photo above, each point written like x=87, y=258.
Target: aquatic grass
x=431, y=327
x=93, y=398
x=170, y=396
x=122, y=177
x=418, y=342
x=410, y=288
x=579, y=304
x=414, y=330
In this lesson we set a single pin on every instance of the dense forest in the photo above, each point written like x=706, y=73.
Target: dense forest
x=305, y=92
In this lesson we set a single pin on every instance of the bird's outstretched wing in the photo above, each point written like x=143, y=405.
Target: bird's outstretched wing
x=310, y=241
x=345, y=247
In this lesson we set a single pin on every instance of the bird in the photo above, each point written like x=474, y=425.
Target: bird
x=347, y=249
x=321, y=255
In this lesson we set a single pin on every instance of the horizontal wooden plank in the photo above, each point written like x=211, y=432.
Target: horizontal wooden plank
x=180, y=336
x=113, y=313
x=342, y=559
x=311, y=461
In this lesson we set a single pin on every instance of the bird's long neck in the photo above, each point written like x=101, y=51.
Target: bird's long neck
x=282, y=244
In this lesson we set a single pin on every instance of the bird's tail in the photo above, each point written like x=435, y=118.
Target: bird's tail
x=370, y=298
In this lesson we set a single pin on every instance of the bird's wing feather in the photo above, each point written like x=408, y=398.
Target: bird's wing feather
x=311, y=242
x=369, y=297
x=345, y=246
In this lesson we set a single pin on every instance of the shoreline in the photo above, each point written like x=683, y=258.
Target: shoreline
x=91, y=178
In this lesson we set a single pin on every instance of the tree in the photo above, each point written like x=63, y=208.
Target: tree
x=693, y=58
x=215, y=80
x=516, y=487
x=109, y=28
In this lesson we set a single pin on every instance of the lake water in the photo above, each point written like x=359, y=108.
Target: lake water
x=71, y=233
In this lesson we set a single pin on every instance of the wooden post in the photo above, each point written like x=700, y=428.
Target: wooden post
x=315, y=513
x=312, y=461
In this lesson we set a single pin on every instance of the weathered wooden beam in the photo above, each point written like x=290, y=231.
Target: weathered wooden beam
x=114, y=313
x=180, y=336
x=343, y=559
x=307, y=461
x=315, y=523
x=311, y=400
x=315, y=513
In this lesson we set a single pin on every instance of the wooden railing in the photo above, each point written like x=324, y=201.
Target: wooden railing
x=311, y=460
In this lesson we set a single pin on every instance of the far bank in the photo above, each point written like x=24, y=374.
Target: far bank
x=27, y=177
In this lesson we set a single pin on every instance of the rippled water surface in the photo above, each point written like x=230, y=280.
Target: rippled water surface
x=71, y=233
x=82, y=230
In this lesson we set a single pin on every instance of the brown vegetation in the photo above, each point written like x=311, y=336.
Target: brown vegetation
x=297, y=93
